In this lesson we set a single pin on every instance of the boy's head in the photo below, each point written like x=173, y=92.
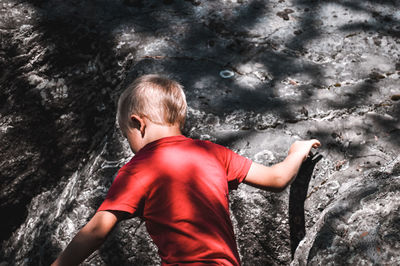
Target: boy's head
x=159, y=99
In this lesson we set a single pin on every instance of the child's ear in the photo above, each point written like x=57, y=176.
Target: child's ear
x=138, y=123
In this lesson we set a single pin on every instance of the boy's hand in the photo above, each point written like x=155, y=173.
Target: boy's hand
x=280, y=175
x=303, y=147
x=90, y=237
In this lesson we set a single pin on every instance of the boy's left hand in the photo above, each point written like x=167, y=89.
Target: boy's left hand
x=90, y=237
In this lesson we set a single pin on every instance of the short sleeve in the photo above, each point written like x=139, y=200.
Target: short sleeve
x=236, y=166
x=126, y=194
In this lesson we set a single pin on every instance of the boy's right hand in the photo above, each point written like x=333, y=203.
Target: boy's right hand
x=279, y=176
x=303, y=147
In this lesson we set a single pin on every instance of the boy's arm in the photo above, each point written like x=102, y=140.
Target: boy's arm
x=279, y=176
x=89, y=238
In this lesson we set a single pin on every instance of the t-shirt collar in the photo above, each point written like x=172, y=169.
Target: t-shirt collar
x=164, y=140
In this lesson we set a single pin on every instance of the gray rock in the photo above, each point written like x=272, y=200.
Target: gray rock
x=360, y=226
x=326, y=70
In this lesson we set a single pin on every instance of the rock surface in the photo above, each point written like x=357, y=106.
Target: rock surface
x=258, y=75
x=361, y=225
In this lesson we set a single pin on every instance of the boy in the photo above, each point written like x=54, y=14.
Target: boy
x=178, y=185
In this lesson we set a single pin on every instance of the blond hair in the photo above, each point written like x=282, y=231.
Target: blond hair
x=159, y=99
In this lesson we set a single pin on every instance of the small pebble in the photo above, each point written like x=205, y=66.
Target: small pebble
x=395, y=97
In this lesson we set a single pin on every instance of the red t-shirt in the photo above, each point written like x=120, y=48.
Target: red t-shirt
x=179, y=186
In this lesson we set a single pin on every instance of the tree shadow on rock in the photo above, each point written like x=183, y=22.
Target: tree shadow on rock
x=80, y=38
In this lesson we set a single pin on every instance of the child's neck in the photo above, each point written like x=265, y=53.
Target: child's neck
x=155, y=132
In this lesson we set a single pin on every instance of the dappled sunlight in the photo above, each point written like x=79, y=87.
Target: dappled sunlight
x=297, y=69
